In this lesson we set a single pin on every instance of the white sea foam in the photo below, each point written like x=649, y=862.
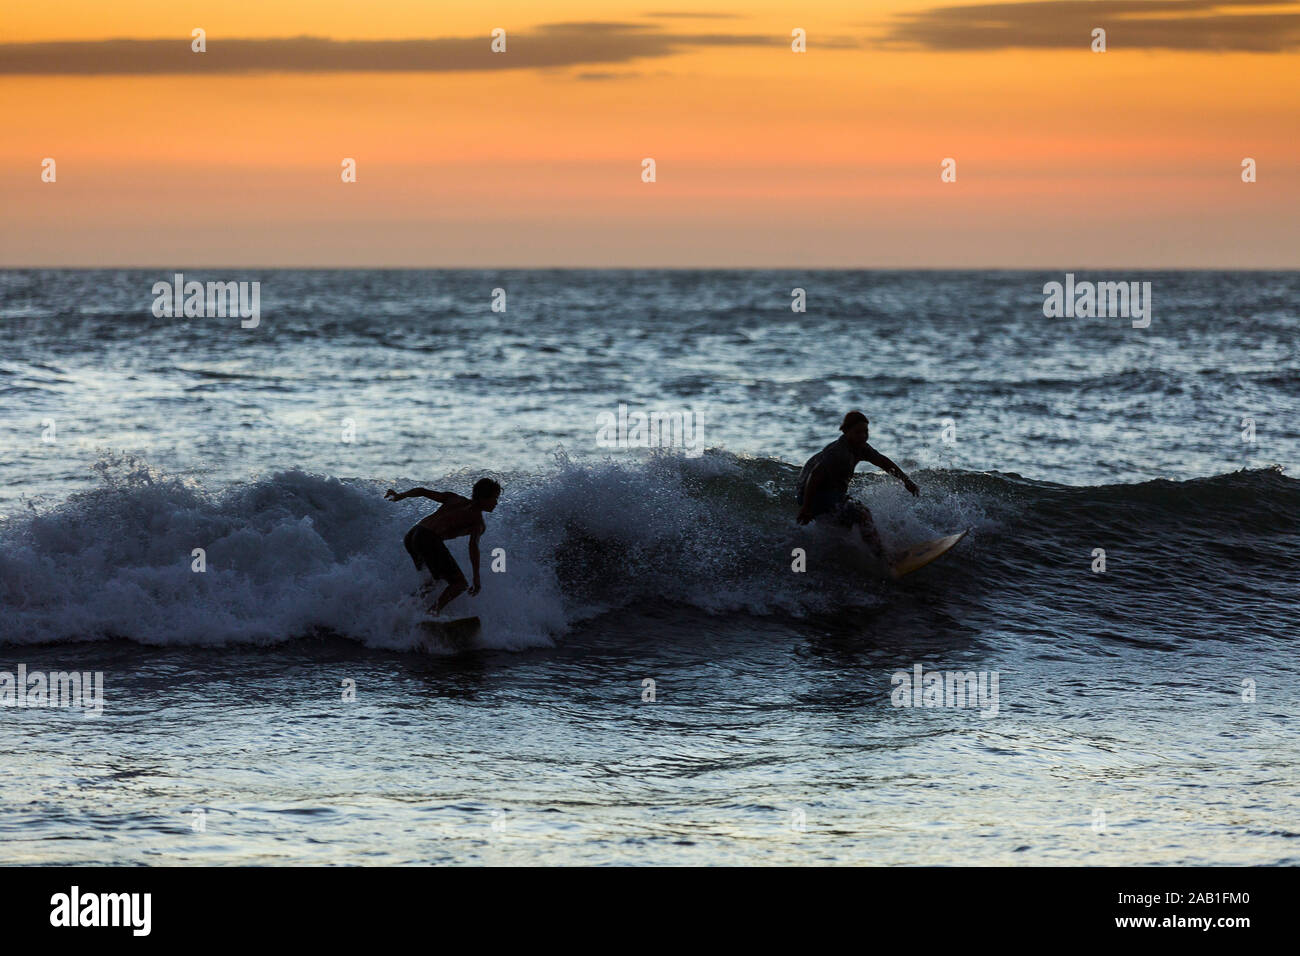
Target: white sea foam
x=285, y=555
x=292, y=554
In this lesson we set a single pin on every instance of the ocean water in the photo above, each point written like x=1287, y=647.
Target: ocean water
x=653, y=682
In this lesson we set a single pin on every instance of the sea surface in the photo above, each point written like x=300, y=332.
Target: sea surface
x=670, y=670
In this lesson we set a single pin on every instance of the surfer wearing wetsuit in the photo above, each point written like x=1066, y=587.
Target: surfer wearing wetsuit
x=824, y=482
x=456, y=518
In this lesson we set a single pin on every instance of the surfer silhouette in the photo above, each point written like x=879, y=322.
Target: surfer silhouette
x=458, y=516
x=823, y=493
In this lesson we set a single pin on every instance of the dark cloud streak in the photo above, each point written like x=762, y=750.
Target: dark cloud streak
x=1188, y=25
x=547, y=47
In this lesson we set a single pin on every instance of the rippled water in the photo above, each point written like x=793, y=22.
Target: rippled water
x=1144, y=714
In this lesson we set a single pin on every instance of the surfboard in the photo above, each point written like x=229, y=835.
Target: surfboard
x=919, y=555
x=458, y=630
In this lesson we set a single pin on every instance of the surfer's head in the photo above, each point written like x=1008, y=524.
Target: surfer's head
x=855, y=427
x=485, y=494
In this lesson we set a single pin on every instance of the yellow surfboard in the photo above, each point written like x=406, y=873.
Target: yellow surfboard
x=919, y=555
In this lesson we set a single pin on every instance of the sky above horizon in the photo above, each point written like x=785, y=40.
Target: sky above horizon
x=764, y=157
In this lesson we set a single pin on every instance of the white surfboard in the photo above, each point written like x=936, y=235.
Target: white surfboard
x=919, y=555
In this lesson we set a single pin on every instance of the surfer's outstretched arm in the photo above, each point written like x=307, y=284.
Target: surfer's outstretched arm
x=440, y=496
x=887, y=466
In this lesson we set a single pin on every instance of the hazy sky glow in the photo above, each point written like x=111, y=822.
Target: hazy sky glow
x=765, y=157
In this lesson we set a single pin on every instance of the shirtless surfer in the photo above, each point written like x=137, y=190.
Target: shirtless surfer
x=824, y=482
x=457, y=517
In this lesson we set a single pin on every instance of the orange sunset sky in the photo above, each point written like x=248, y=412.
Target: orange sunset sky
x=765, y=157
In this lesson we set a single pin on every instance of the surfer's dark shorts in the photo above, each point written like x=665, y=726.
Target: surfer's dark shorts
x=845, y=513
x=428, y=551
